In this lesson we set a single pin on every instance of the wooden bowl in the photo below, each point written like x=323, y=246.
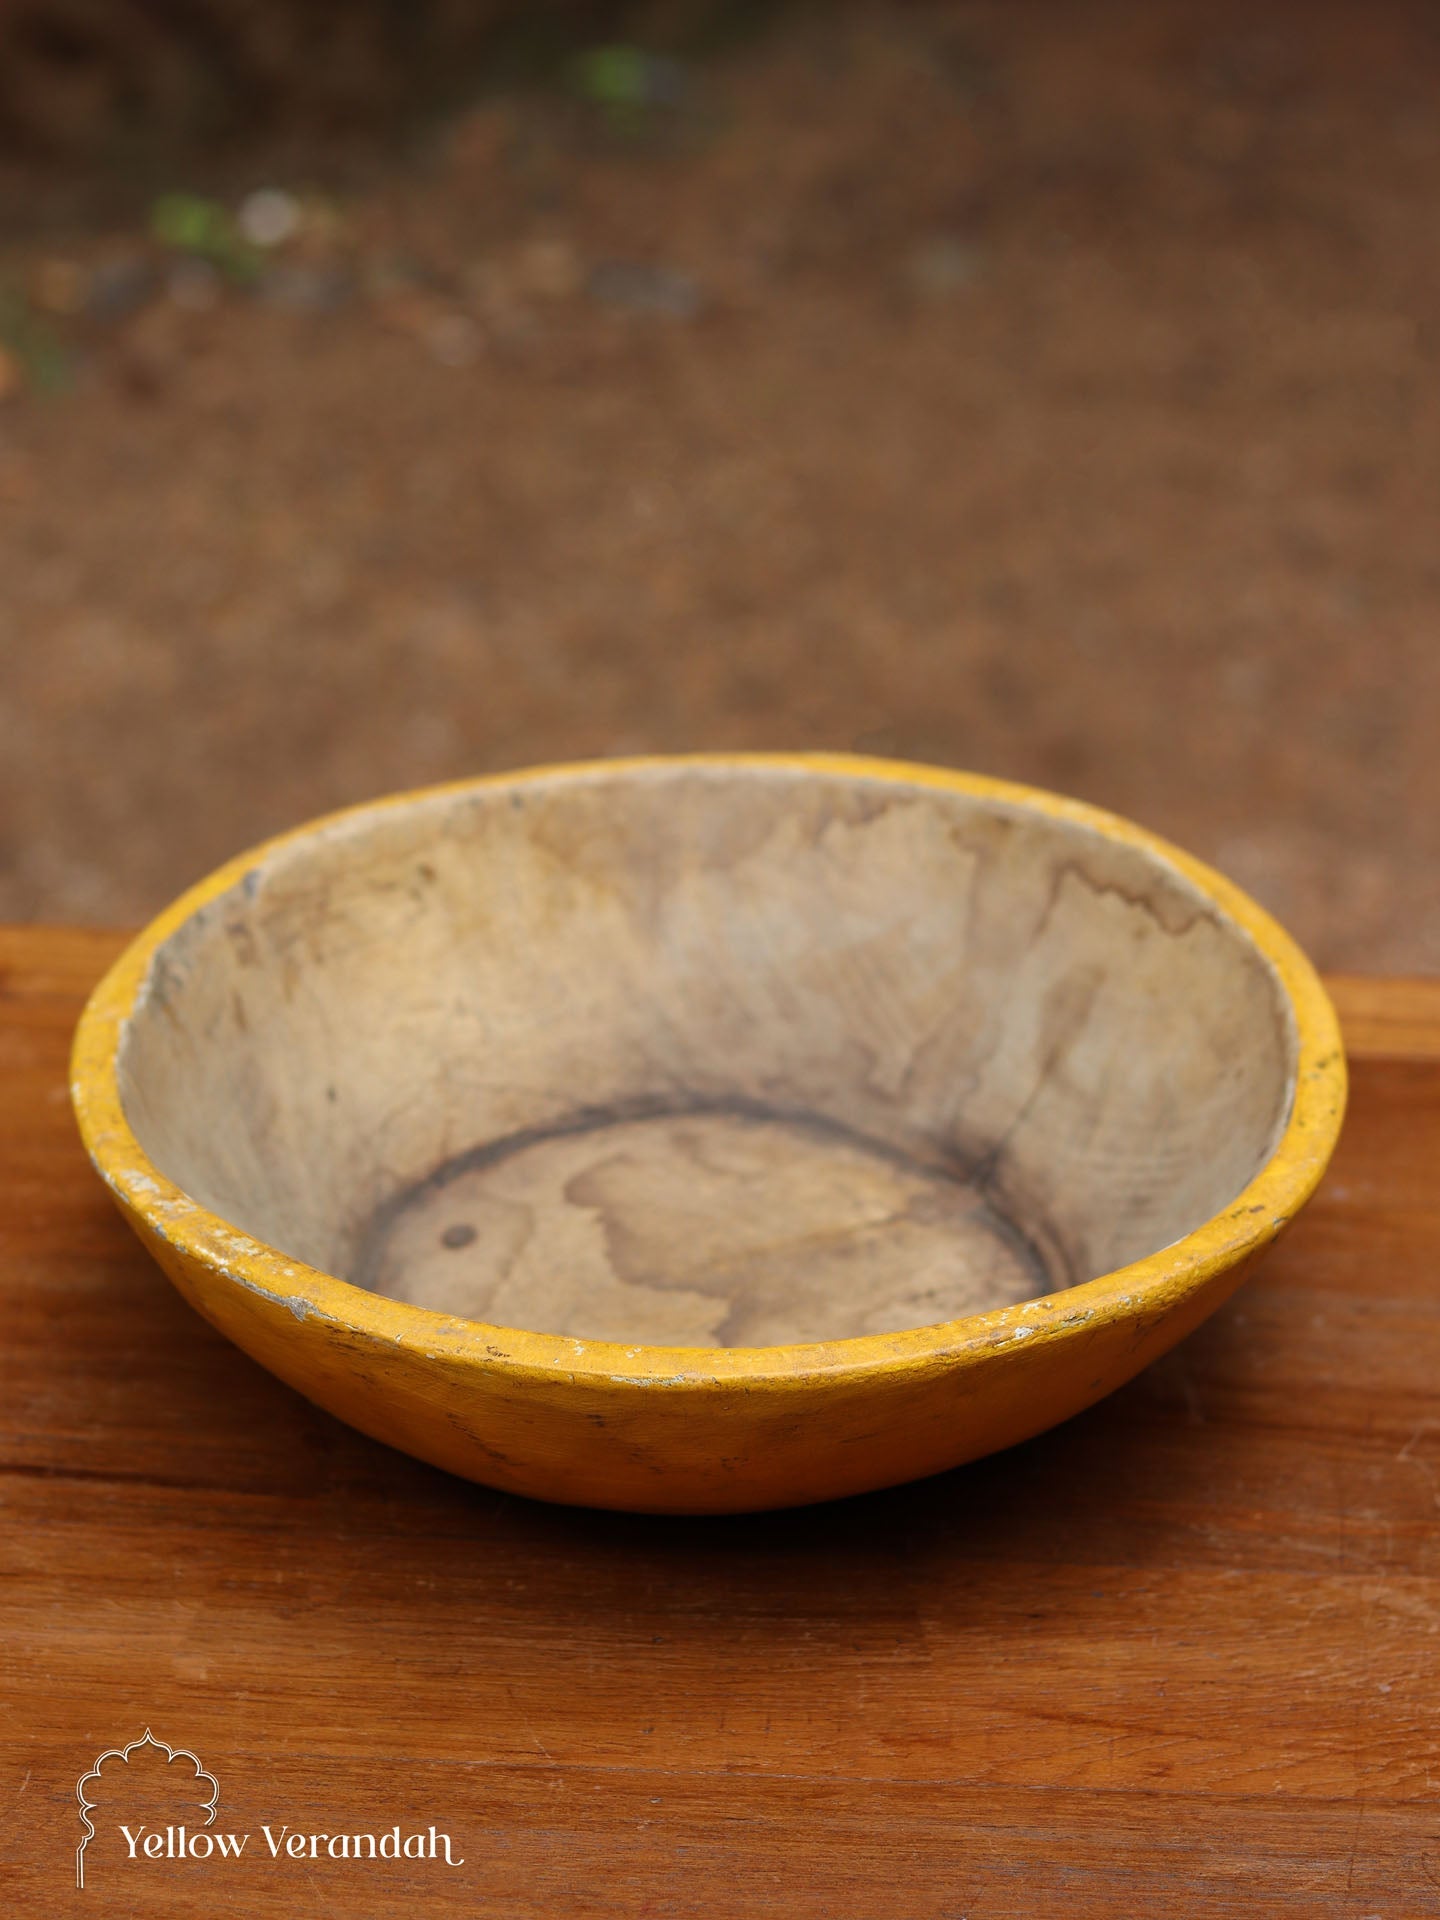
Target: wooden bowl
x=710, y=1133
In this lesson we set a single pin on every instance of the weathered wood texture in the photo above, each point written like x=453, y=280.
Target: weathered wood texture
x=699, y=1052
x=1179, y=1657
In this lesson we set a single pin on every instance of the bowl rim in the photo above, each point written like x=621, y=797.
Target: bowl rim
x=1144, y=1289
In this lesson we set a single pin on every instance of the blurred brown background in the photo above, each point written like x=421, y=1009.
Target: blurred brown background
x=389, y=394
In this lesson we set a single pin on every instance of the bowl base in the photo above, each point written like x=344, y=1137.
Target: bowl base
x=717, y=1224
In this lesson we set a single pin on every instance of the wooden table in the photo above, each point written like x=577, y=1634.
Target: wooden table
x=1180, y=1657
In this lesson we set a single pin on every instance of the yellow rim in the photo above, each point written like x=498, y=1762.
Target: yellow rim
x=1143, y=1288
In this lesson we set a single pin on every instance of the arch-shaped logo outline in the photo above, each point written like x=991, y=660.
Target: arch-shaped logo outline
x=87, y=1807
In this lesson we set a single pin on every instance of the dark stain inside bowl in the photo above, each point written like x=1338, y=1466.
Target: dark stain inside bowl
x=708, y=1223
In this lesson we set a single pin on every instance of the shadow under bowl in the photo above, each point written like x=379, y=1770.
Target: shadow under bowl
x=710, y=1133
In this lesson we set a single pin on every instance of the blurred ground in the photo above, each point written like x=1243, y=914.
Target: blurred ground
x=1046, y=390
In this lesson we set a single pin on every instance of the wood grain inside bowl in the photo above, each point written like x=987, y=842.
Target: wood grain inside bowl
x=710, y=1055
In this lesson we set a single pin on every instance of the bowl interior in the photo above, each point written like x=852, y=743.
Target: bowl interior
x=710, y=1054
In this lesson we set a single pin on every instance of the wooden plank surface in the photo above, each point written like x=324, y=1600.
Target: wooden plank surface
x=1398, y=1018
x=1179, y=1657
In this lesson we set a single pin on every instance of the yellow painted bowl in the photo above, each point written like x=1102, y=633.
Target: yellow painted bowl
x=711, y=1133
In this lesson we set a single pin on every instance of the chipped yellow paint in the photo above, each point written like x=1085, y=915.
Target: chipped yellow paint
x=692, y=1430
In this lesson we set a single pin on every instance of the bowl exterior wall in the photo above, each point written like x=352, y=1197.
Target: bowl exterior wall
x=693, y=1446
